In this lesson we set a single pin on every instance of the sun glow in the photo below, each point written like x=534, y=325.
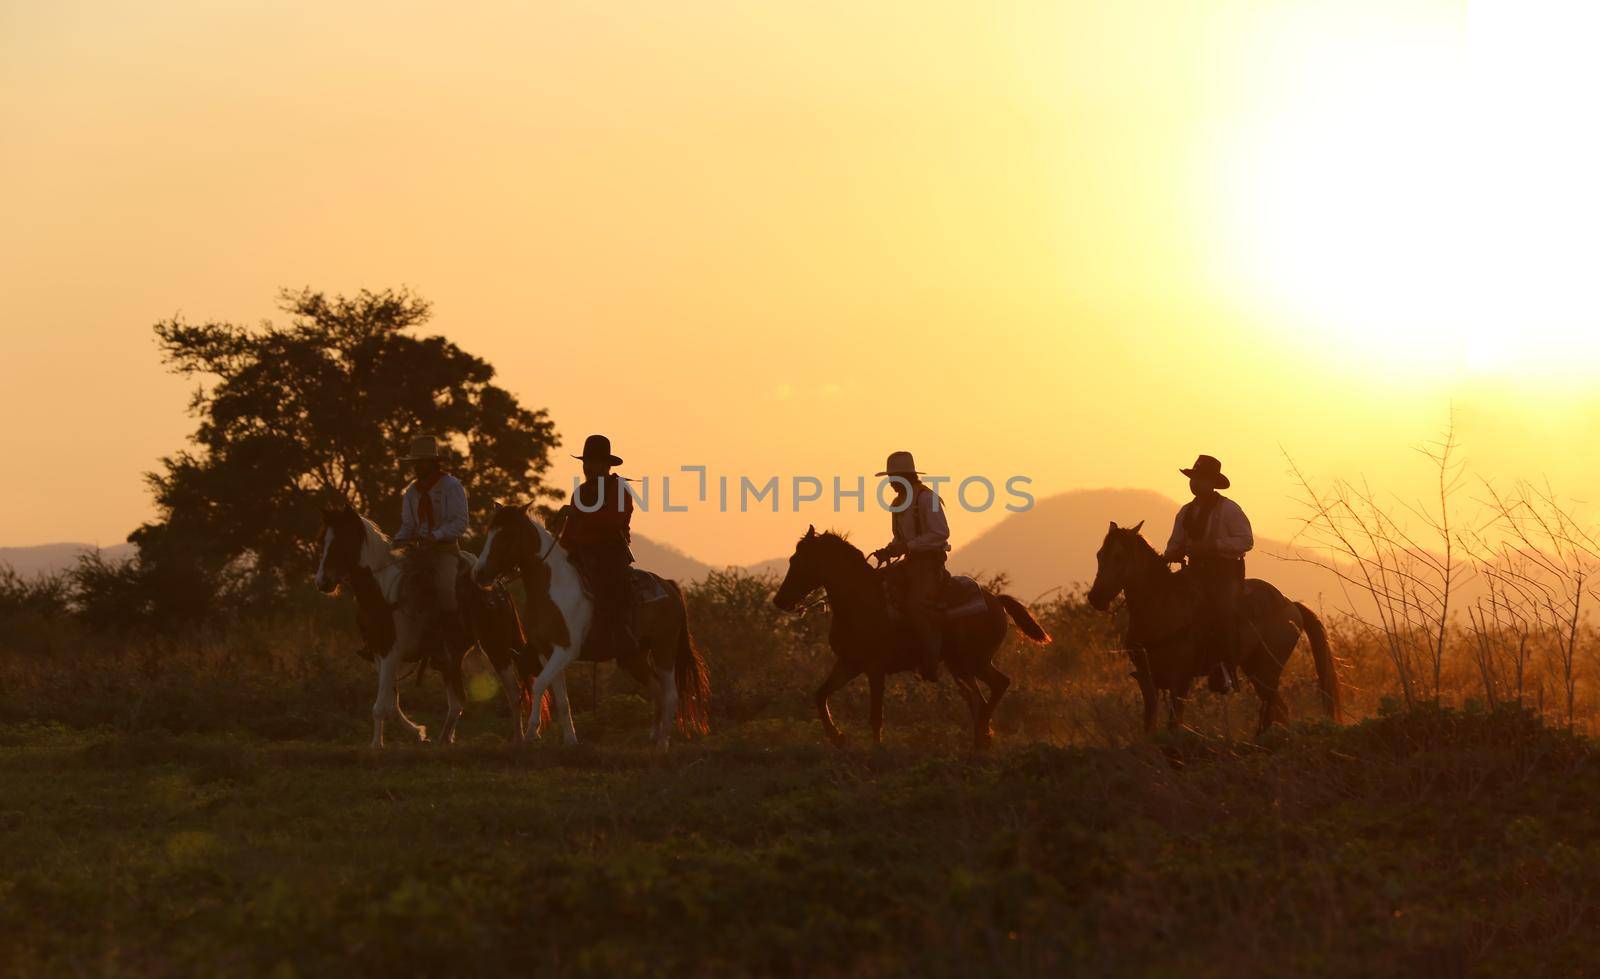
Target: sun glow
x=1420, y=195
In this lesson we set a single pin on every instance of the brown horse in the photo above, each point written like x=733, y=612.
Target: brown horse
x=867, y=639
x=560, y=613
x=358, y=558
x=1162, y=612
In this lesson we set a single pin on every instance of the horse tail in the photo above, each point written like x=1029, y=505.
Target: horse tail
x=693, y=679
x=1026, y=623
x=1327, y=675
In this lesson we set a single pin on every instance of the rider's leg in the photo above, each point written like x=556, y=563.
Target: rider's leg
x=924, y=577
x=619, y=606
x=1223, y=586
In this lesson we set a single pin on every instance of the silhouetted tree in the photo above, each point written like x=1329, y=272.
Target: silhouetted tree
x=293, y=416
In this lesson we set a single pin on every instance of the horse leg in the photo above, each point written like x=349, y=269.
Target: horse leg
x=640, y=669
x=408, y=640
x=968, y=688
x=455, y=702
x=1179, y=699
x=875, y=715
x=1265, y=673
x=666, y=704
x=563, y=711
x=998, y=684
x=386, y=695
x=388, y=703
x=1152, y=703
x=666, y=685
x=553, y=676
x=840, y=675
x=511, y=689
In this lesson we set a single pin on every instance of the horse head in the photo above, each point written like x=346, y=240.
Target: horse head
x=1115, y=564
x=816, y=563
x=344, y=538
x=512, y=538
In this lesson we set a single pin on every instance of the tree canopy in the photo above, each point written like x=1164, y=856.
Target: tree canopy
x=293, y=416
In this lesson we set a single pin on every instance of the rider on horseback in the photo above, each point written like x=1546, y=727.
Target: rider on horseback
x=922, y=535
x=433, y=519
x=1214, y=534
x=594, y=531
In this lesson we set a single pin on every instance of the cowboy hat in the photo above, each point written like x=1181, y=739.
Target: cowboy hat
x=599, y=447
x=1207, y=467
x=424, y=448
x=900, y=464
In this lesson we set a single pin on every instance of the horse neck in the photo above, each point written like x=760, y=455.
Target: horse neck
x=1148, y=590
x=378, y=556
x=546, y=550
x=852, y=588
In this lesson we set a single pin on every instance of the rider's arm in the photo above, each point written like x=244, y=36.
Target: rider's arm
x=453, y=520
x=1176, y=543
x=408, y=517
x=935, y=533
x=1234, y=537
x=558, y=523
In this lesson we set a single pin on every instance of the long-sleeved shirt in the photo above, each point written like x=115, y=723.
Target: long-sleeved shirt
x=449, y=499
x=599, y=515
x=1226, y=532
x=920, y=528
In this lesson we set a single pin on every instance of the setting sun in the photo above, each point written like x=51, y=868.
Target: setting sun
x=1379, y=190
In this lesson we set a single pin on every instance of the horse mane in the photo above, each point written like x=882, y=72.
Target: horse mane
x=373, y=530
x=505, y=513
x=1144, y=545
x=1146, y=549
x=833, y=542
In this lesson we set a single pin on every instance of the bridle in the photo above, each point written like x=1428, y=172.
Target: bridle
x=502, y=580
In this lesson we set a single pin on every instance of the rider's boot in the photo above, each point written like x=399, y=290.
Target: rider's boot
x=1221, y=679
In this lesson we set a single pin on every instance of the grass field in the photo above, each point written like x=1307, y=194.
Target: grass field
x=207, y=806
x=1433, y=843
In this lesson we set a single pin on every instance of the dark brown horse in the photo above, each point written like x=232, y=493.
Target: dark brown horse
x=1162, y=612
x=356, y=557
x=866, y=639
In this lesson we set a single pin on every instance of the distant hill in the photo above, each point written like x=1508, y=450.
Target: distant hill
x=1053, y=545
x=666, y=560
x=50, y=558
x=1050, y=546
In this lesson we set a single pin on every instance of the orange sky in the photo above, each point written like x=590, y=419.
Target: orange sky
x=1080, y=242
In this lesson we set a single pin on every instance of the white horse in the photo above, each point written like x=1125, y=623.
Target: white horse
x=357, y=554
x=560, y=610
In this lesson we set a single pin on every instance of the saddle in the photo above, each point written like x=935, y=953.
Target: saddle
x=959, y=597
x=646, y=587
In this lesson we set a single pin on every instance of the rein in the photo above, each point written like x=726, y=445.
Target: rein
x=505, y=579
x=809, y=607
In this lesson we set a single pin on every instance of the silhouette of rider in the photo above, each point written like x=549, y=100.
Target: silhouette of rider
x=433, y=519
x=594, y=530
x=1214, y=534
x=922, y=535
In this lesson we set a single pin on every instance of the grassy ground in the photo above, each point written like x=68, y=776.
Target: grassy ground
x=1433, y=843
